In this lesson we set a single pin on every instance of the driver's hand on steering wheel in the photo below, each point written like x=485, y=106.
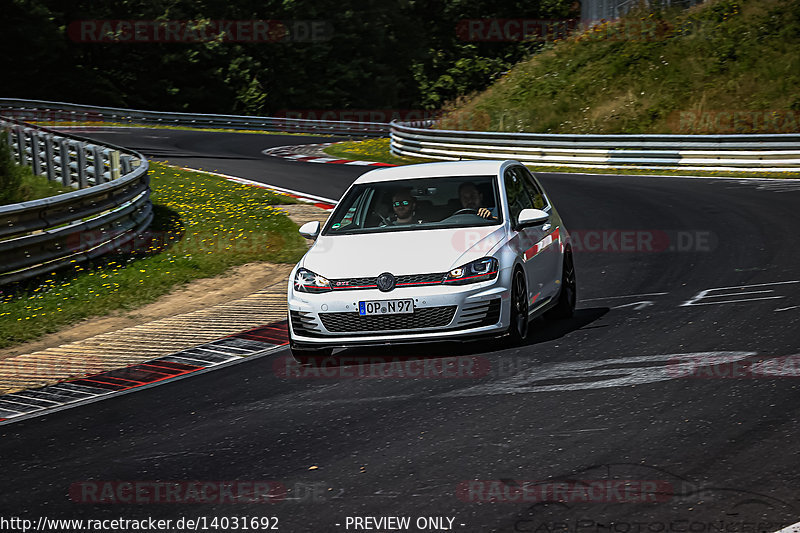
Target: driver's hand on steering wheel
x=484, y=213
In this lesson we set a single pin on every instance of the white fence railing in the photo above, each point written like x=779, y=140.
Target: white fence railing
x=766, y=152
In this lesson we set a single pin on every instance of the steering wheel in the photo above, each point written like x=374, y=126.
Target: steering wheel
x=384, y=220
x=465, y=211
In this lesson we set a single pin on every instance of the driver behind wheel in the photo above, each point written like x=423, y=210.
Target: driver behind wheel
x=472, y=198
x=404, y=206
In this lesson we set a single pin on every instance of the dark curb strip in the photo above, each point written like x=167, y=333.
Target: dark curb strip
x=236, y=348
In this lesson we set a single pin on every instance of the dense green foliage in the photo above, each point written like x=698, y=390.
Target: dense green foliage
x=10, y=176
x=724, y=66
x=382, y=54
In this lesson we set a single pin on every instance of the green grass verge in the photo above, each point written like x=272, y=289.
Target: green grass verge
x=18, y=183
x=34, y=187
x=378, y=150
x=203, y=226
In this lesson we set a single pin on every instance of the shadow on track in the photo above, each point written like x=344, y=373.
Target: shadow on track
x=541, y=331
x=171, y=154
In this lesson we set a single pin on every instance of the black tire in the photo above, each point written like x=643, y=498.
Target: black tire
x=568, y=296
x=518, y=328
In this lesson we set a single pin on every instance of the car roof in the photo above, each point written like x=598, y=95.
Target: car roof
x=432, y=170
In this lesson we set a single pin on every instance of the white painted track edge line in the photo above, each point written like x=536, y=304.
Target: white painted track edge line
x=794, y=528
x=717, y=178
x=624, y=296
x=256, y=183
x=755, y=285
x=734, y=301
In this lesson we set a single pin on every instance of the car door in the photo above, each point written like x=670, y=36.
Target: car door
x=526, y=242
x=549, y=245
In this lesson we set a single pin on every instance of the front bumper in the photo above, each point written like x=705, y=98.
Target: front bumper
x=440, y=313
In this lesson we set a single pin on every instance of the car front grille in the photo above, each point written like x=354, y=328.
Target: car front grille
x=408, y=280
x=353, y=283
x=420, y=279
x=422, y=319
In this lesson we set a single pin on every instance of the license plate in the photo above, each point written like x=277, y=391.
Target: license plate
x=386, y=307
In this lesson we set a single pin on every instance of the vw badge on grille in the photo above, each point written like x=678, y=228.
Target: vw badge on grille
x=386, y=282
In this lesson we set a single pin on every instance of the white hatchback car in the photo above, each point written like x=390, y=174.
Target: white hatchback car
x=437, y=251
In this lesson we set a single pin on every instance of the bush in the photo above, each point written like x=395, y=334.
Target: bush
x=10, y=175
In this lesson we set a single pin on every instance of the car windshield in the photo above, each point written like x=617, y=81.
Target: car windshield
x=416, y=204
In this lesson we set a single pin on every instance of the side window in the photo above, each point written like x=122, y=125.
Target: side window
x=353, y=216
x=347, y=219
x=518, y=197
x=539, y=200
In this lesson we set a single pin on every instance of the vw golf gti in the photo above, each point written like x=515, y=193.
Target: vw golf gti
x=437, y=251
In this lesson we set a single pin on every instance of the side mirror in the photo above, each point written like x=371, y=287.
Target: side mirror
x=532, y=217
x=310, y=230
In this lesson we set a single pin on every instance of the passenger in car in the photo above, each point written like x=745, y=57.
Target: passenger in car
x=472, y=198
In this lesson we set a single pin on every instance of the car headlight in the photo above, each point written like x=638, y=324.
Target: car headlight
x=307, y=281
x=482, y=269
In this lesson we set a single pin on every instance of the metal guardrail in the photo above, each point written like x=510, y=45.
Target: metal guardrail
x=766, y=152
x=597, y=10
x=111, y=206
x=62, y=112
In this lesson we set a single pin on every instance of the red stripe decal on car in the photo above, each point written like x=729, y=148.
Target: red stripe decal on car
x=540, y=246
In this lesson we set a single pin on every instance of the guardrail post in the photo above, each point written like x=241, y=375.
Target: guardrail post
x=48, y=158
x=20, y=153
x=99, y=165
x=125, y=162
x=64, y=158
x=80, y=150
x=113, y=163
x=36, y=155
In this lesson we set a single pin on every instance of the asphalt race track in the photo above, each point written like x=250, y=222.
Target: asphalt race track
x=237, y=154
x=602, y=423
